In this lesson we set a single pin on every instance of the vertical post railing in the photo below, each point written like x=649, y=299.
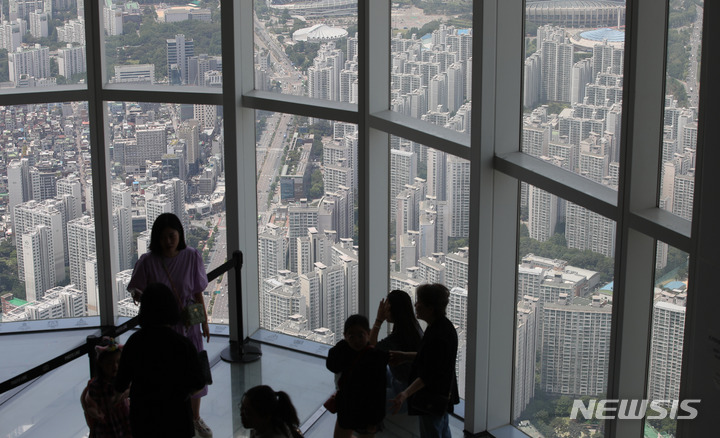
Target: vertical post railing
x=240, y=349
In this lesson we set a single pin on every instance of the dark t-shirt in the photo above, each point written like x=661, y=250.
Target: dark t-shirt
x=361, y=397
x=435, y=362
x=395, y=342
x=164, y=370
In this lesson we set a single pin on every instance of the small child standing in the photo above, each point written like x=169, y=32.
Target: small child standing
x=360, y=397
x=107, y=412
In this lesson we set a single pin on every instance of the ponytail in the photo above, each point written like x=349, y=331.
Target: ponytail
x=286, y=411
x=276, y=405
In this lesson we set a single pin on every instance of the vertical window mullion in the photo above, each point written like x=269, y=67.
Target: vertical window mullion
x=99, y=163
x=238, y=40
x=373, y=153
x=643, y=98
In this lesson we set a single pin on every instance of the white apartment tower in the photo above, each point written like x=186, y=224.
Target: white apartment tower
x=272, y=251
x=585, y=229
x=301, y=217
x=38, y=23
x=34, y=62
x=178, y=51
x=38, y=258
x=281, y=299
x=50, y=215
x=542, y=213
x=525, y=348
x=81, y=246
x=112, y=19
x=122, y=221
x=11, y=34
x=575, y=346
x=666, y=347
x=403, y=170
x=458, y=195
x=456, y=268
x=557, y=62
x=71, y=60
x=19, y=187
x=457, y=308
x=324, y=74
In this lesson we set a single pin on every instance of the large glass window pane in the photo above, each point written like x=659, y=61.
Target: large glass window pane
x=564, y=313
x=167, y=158
x=679, y=146
x=668, y=332
x=307, y=225
x=163, y=44
x=431, y=62
x=47, y=246
x=307, y=48
x=429, y=222
x=572, y=86
x=42, y=44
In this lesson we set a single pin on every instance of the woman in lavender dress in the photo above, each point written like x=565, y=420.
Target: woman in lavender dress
x=171, y=262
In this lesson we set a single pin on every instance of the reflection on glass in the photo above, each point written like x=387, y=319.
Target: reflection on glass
x=47, y=245
x=42, y=44
x=167, y=158
x=163, y=44
x=307, y=225
x=572, y=87
x=668, y=331
x=307, y=49
x=682, y=83
x=564, y=311
x=429, y=212
x=431, y=62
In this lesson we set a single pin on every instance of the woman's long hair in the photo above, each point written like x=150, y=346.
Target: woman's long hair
x=405, y=325
x=275, y=404
x=163, y=221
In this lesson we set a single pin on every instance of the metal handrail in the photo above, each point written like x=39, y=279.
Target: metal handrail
x=92, y=340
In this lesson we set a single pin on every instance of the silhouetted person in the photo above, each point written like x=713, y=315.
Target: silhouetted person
x=162, y=369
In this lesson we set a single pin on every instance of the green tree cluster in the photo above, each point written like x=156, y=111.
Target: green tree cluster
x=302, y=53
x=444, y=7
x=149, y=44
x=677, y=55
x=9, y=281
x=317, y=185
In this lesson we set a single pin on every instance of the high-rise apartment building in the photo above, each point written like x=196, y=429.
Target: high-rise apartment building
x=666, y=347
x=179, y=50
x=542, y=213
x=526, y=336
x=31, y=61
x=301, y=217
x=122, y=222
x=151, y=145
x=458, y=196
x=281, y=298
x=272, y=251
x=81, y=247
x=71, y=60
x=456, y=268
x=50, y=215
x=11, y=34
x=575, y=346
x=38, y=21
x=403, y=170
x=324, y=74
x=556, y=52
x=585, y=229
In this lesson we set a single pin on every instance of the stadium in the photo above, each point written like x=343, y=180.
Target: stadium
x=577, y=14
